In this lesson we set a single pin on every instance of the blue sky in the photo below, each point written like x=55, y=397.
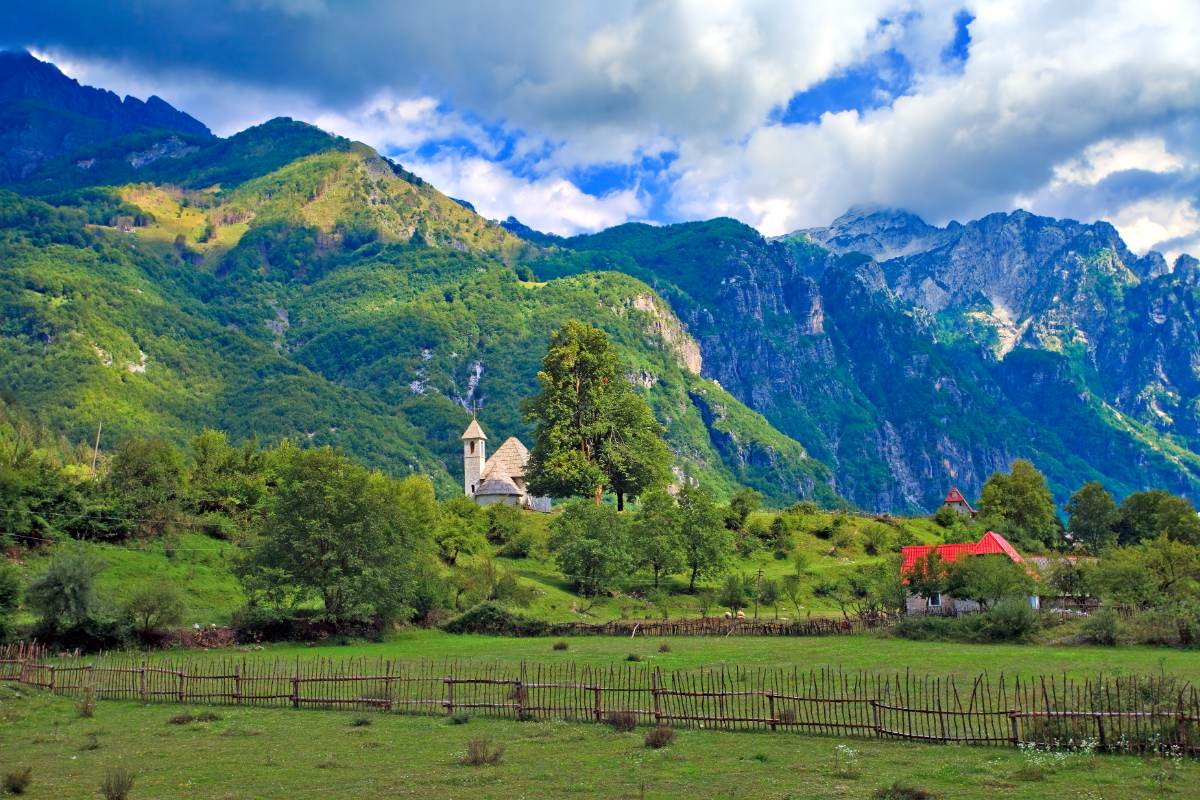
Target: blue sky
x=575, y=117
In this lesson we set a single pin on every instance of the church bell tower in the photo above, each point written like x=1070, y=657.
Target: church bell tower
x=474, y=457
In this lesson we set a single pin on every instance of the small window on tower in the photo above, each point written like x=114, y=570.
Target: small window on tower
x=472, y=448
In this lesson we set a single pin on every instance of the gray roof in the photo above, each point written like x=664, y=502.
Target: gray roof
x=497, y=486
x=508, y=461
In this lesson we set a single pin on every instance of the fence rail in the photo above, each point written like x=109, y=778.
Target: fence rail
x=1116, y=713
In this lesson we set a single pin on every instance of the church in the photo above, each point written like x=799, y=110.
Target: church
x=501, y=478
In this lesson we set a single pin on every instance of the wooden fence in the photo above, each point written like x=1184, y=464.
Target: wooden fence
x=1156, y=714
x=719, y=626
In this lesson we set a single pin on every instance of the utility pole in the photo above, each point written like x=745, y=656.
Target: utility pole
x=757, y=591
x=96, y=449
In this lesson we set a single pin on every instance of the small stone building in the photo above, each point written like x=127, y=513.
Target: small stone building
x=992, y=543
x=501, y=478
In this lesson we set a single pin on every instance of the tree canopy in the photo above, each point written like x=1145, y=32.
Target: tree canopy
x=1020, y=504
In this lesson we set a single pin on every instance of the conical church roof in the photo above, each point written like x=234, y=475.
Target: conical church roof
x=473, y=431
x=508, y=461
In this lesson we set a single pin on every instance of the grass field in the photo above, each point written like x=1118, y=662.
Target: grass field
x=865, y=651
x=269, y=753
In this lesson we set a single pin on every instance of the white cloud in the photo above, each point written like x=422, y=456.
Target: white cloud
x=549, y=203
x=1099, y=160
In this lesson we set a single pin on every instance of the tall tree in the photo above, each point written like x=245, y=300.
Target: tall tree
x=1020, y=504
x=707, y=543
x=592, y=432
x=1148, y=515
x=657, y=535
x=743, y=503
x=148, y=478
x=333, y=530
x=634, y=456
x=590, y=545
x=1093, y=516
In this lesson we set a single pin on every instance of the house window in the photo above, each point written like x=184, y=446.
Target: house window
x=935, y=600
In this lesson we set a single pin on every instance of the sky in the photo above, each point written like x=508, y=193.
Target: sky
x=574, y=117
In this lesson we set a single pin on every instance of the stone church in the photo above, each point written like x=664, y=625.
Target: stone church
x=501, y=478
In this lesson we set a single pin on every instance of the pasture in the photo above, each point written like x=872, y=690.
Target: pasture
x=281, y=753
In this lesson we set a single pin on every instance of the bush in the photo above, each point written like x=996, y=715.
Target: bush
x=495, y=619
x=17, y=781
x=117, y=785
x=255, y=624
x=659, y=737
x=1102, y=627
x=360, y=722
x=843, y=540
x=633, y=657
x=1013, y=619
x=900, y=791
x=560, y=645
x=154, y=606
x=523, y=544
x=621, y=721
x=481, y=752
x=209, y=716
x=181, y=719
x=665, y=647
x=929, y=629
x=87, y=703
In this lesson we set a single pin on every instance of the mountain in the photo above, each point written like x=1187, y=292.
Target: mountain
x=45, y=115
x=286, y=282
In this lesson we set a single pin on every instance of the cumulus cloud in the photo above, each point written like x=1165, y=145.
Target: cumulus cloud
x=549, y=203
x=1083, y=109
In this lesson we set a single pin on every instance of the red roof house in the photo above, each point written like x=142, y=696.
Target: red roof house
x=992, y=543
x=955, y=499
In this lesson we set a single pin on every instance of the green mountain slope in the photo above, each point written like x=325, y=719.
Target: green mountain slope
x=333, y=298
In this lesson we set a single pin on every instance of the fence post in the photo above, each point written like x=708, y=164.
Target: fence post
x=296, y=690
x=598, y=710
x=654, y=688
x=450, y=695
x=91, y=678
x=875, y=716
x=1016, y=728
x=181, y=690
x=771, y=707
x=53, y=669
x=237, y=684
x=142, y=683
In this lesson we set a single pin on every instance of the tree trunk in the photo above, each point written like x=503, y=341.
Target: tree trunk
x=692, y=582
x=598, y=495
x=620, y=501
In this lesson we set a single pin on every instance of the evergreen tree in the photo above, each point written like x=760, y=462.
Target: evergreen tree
x=1093, y=516
x=592, y=432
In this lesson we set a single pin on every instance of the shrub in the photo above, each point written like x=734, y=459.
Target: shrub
x=845, y=761
x=523, y=544
x=117, y=785
x=1012, y=619
x=1102, y=627
x=66, y=592
x=208, y=716
x=928, y=629
x=87, y=703
x=621, y=721
x=843, y=539
x=876, y=539
x=659, y=737
x=460, y=717
x=900, y=791
x=494, y=618
x=560, y=645
x=481, y=752
x=665, y=647
x=633, y=657
x=92, y=743
x=157, y=605
x=181, y=719
x=360, y=722
x=17, y=781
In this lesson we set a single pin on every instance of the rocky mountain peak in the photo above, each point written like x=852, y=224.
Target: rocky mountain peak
x=880, y=232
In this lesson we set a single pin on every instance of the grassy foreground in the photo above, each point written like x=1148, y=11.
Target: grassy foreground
x=270, y=753
x=870, y=652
